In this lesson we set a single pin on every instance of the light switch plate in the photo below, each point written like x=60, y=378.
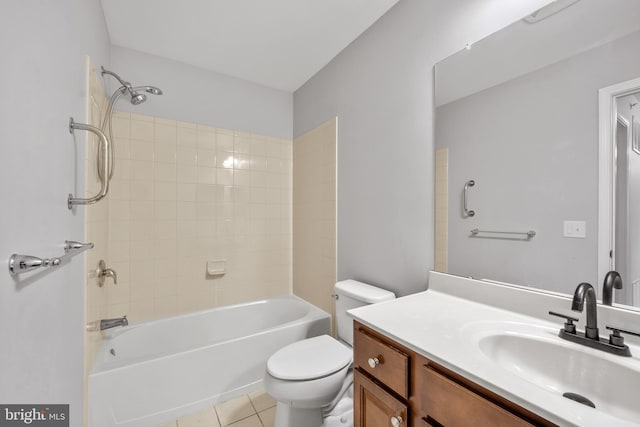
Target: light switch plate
x=575, y=229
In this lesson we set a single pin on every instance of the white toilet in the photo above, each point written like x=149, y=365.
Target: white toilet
x=309, y=377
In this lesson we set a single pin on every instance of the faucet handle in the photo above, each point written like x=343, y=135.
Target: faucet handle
x=569, y=327
x=616, y=339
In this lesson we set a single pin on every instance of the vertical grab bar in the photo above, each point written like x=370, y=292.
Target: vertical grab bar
x=467, y=212
x=105, y=147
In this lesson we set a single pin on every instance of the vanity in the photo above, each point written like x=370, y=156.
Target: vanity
x=469, y=352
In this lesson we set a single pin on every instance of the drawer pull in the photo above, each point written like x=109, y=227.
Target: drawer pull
x=373, y=362
x=396, y=421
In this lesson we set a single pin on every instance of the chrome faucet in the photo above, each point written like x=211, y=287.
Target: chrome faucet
x=586, y=291
x=611, y=280
x=112, y=323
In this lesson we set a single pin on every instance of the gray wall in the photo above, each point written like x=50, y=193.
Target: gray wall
x=381, y=88
x=531, y=145
x=42, y=80
x=196, y=95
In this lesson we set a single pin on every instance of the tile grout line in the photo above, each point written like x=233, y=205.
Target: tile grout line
x=215, y=411
x=255, y=410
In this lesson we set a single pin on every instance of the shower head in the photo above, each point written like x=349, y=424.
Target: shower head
x=138, y=98
x=149, y=89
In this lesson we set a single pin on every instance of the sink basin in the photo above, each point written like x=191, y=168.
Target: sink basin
x=537, y=355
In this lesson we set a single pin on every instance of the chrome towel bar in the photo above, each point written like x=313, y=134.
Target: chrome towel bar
x=105, y=147
x=529, y=234
x=24, y=263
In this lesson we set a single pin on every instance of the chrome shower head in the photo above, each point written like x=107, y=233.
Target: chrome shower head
x=149, y=89
x=138, y=98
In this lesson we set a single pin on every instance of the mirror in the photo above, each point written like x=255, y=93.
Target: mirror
x=518, y=113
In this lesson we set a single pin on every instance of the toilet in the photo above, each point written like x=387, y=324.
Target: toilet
x=309, y=378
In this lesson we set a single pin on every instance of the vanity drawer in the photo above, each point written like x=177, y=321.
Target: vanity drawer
x=381, y=360
x=451, y=404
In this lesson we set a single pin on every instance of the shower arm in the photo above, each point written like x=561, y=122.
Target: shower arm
x=125, y=85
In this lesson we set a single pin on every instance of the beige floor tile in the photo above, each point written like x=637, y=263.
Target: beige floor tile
x=268, y=417
x=252, y=421
x=205, y=418
x=234, y=410
x=261, y=400
x=169, y=424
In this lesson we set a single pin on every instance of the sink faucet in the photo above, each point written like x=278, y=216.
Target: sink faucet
x=611, y=280
x=591, y=337
x=586, y=291
x=112, y=323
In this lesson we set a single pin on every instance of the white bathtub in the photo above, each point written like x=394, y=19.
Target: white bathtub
x=167, y=368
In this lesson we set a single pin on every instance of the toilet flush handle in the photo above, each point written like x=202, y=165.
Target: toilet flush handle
x=373, y=362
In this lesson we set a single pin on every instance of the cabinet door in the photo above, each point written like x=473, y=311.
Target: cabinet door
x=374, y=407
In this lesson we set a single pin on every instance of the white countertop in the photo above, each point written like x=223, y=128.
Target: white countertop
x=439, y=326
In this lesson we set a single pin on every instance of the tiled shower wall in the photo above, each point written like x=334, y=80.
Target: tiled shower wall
x=314, y=218
x=183, y=194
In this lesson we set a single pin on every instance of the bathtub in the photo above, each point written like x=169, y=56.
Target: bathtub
x=156, y=371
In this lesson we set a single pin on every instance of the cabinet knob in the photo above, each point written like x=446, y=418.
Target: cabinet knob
x=396, y=421
x=373, y=362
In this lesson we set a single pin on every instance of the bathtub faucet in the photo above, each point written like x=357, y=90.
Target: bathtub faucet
x=112, y=323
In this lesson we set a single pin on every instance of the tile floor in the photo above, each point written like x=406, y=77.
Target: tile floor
x=256, y=409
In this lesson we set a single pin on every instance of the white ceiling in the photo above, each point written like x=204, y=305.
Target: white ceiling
x=276, y=43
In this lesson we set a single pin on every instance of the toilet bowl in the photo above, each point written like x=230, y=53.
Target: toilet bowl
x=308, y=378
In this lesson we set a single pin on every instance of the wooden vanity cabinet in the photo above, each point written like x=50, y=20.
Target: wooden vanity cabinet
x=381, y=381
x=397, y=387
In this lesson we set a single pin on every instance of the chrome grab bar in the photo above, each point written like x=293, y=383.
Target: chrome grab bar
x=529, y=234
x=24, y=263
x=105, y=148
x=467, y=212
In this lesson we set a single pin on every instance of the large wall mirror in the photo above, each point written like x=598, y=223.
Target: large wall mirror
x=518, y=141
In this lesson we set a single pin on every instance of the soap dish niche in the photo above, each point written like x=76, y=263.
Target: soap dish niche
x=217, y=267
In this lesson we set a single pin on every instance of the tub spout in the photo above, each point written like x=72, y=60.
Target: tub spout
x=112, y=323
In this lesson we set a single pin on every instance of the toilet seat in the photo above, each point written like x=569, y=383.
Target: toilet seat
x=309, y=359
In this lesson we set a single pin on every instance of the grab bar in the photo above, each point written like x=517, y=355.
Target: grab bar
x=467, y=212
x=529, y=233
x=24, y=263
x=105, y=147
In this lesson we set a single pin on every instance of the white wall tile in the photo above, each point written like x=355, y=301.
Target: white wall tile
x=186, y=136
x=183, y=194
x=141, y=130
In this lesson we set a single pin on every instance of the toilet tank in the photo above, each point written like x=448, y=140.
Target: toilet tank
x=352, y=294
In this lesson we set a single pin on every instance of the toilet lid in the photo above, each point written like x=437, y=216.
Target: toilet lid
x=309, y=359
